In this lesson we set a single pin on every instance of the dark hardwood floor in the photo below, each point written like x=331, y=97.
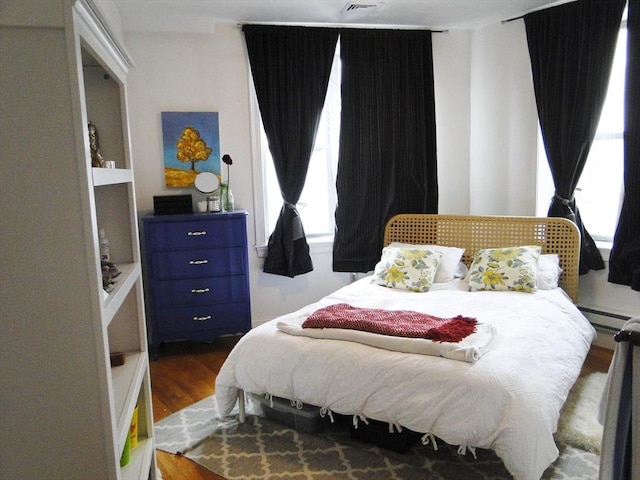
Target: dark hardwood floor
x=185, y=373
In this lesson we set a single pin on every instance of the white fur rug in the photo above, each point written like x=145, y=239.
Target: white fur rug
x=578, y=425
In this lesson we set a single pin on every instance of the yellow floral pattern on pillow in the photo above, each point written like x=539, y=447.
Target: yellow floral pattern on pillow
x=407, y=268
x=499, y=269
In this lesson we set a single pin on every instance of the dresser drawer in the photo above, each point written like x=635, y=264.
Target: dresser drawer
x=210, y=233
x=198, y=263
x=200, y=291
x=220, y=319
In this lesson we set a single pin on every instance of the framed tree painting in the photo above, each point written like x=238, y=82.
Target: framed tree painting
x=191, y=144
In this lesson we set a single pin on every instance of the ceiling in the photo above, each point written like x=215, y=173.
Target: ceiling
x=200, y=16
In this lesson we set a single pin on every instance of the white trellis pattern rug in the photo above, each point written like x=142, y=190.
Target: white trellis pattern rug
x=262, y=448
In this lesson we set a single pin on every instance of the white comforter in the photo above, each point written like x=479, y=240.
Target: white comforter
x=509, y=400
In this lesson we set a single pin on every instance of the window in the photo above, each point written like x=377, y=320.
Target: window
x=318, y=201
x=600, y=191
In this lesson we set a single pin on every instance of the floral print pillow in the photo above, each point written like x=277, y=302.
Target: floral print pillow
x=409, y=268
x=512, y=268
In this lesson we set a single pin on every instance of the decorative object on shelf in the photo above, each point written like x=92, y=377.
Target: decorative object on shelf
x=104, y=245
x=208, y=184
x=109, y=274
x=190, y=140
x=94, y=146
x=117, y=358
x=133, y=429
x=226, y=195
x=126, y=452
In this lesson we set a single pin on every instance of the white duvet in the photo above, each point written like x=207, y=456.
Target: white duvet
x=508, y=400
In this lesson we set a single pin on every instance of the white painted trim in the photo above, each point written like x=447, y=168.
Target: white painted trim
x=100, y=42
x=258, y=172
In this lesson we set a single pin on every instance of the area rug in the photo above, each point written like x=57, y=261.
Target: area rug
x=578, y=425
x=261, y=448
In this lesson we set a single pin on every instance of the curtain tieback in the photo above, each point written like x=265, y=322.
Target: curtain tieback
x=564, y=201
x=297, y=232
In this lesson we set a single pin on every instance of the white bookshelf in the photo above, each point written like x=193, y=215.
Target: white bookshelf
x=64, y=65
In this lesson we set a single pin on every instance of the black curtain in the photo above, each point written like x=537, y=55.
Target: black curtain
x=290, y=68
x=387, y=159
x=571, y=48
x=624, y=261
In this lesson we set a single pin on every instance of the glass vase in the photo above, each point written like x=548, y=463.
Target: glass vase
x=226, y=198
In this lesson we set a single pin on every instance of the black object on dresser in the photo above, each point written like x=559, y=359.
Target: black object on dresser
x=197, y=276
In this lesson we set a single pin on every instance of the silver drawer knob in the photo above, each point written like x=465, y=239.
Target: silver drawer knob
x=199, y=290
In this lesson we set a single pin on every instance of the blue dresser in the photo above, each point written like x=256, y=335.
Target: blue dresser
x=197, y=276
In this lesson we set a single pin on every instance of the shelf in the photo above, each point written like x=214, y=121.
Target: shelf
x=140, y=463
x=111, y=176
x=127, y=380
x=129, y=274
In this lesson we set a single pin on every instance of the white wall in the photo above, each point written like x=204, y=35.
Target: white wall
x=503, y=122
x=598, y=295
x=486, y=133
x=452, y=85
x=187, y=72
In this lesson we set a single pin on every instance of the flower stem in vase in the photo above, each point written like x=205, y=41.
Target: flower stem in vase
x=226, y=195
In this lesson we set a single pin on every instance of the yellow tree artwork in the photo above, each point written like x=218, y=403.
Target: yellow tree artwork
x=191, y=146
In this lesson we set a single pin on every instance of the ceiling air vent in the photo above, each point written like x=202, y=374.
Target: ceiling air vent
x=361, y=7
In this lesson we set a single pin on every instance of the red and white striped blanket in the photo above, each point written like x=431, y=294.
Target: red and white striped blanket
x=397, y=323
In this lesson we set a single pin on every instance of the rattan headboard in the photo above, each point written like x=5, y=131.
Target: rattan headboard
x=554, y=235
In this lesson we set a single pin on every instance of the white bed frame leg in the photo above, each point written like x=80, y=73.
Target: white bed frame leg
x=241, y=411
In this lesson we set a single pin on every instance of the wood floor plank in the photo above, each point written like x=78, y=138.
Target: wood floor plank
x=176, y=467
x=185, y=373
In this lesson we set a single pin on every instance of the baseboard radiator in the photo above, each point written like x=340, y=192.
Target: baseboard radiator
x=602, y=320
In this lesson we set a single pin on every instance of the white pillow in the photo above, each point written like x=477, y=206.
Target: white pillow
x=461, y=271
x=406, y=268
x=500, y=269
x=448, y=263
x=548, y=271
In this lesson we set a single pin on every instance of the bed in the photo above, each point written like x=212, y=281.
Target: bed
x=500, y=387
